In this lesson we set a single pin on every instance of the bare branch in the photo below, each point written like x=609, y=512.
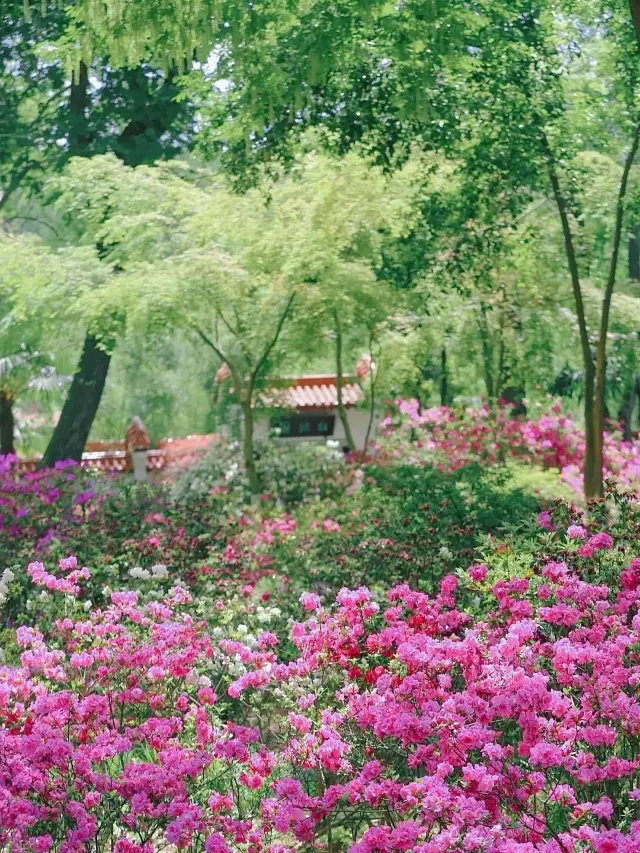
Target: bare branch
x=235, y=373
x=237, y=334
x=207, y=340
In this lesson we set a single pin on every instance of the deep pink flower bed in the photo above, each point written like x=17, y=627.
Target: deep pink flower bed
x=450, y=440
x=405, y=724
x=206, y=686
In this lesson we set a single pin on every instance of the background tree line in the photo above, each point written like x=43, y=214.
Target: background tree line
x=285, y=186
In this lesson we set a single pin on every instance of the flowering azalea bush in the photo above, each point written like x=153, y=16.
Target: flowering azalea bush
x=408, y=658
x=414, y=728
x=452, y=439
x=126, y=533
x=289, y=473
x=110, y=739
x=378, y=724
x=378, y=523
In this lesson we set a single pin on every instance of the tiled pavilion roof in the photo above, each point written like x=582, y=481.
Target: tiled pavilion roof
x=313, y=392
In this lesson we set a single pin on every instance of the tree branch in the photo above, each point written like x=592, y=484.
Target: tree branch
x=571, y=255
x=207, y=340
x=235, y=373
x=236, y=333
x=35, y=219
x=271, y=344
x=617, y=236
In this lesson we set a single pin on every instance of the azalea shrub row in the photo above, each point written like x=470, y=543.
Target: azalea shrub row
x=451, y=439
x=404, y=652
x=390, y=522
x=499, y=714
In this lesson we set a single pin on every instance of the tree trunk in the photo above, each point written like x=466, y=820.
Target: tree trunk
x=6, y=425
x=62, y=446
x=487, y=354
x=601, y=351
x=591, y=475
x=79, y=137
x=248, y=448
x=634, y=255
x=634, y=5
x=443, y=375
x=373, y=374
x=72, y=430
x=342, y=412
x=81, y=405
x=627, y=407
x=501, y=380
x=592, y=469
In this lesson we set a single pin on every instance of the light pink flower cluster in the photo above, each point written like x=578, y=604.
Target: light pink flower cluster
x=68, y=585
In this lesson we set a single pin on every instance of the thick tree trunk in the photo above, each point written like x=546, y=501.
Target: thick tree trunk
x=81, y=405
x=6, y=425
x=72, y=430
x=79, y=137
x=248, y=449
x=342, y=412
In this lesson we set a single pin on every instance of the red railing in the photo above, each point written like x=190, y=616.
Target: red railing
x=112, y=457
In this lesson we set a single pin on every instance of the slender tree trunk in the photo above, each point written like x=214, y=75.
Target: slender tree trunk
x=601, y=351
x=248, y=449
x=444, y=392
x=501, y=380
x=634, y=5
x=634, y=255
x=7, y=425
x=627, y=407
x=372, y=392
x=487, y=354
x=592, y=476
x=342, y=412
x=81, y=405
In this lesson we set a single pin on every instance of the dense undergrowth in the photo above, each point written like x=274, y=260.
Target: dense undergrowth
x=418, y=651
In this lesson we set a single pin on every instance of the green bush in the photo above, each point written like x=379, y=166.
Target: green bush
x=289, y=473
